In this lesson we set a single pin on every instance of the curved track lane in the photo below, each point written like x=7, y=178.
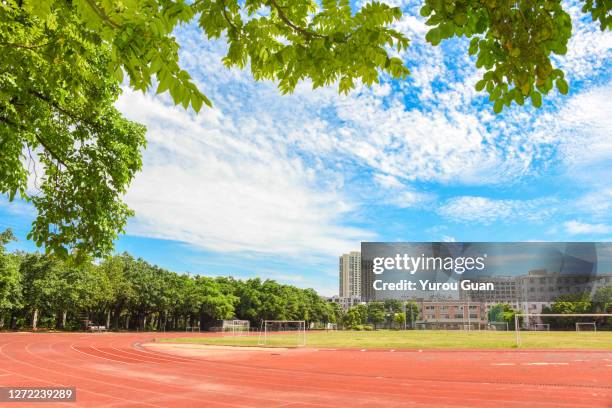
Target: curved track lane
x=126, y=370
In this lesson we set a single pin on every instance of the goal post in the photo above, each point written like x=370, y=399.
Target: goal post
x=518, y=316
x=235, y=327
x=586, y=326
x=289, y=333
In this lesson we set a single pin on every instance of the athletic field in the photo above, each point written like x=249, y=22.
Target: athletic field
x=126, y=370
x=418, y=339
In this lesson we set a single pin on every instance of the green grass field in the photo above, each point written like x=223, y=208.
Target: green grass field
x=420, y=339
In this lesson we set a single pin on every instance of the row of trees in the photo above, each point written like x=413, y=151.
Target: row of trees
x=122, y=292
x=390, y=314
x=598, y=302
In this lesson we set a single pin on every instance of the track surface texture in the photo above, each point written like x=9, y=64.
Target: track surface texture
x=131, y=370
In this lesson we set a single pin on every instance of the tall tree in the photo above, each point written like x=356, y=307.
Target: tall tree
x=10, y=278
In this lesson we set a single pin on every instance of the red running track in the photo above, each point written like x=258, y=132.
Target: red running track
x=116, y=370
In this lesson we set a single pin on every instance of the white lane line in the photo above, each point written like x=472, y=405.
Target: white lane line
x=541, y=364
x=93, y=355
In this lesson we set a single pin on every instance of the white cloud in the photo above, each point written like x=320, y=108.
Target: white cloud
x=596, y=204
x=206, y=184
x=17, y=208
x=486, y=211
x=274, y=173
x=577, y=228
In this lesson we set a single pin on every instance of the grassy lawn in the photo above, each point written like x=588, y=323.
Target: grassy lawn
x=420, y=339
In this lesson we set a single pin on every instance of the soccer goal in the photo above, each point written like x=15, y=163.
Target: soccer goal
x=541, y=326
x=192, y=329
x=579, y=325
x=288, y=333
x=331, y=326
x=235, y=327
x=586, y=326
x=497, y=326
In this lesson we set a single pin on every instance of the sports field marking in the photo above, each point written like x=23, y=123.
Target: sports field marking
x=39, y=378
x=121, y=357
x=309, y=377
x=93, y=355
x=422, y=339
x=542, y=364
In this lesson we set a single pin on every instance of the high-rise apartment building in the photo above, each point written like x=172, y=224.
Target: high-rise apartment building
x=350, y=275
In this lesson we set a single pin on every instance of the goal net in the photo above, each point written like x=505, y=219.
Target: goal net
x=586, y=326
x=287, y=333
x=497, y=326
x=577, y=322
x=235, y=327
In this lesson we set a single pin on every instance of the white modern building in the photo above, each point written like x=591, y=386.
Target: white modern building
x=350, y=275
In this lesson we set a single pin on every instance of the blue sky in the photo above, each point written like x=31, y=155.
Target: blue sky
x=278, y=186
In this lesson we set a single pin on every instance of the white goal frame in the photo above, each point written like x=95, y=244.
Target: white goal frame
x=578, y=324
x=331, y=326
x=300, y=332
x=517, y=328
x=546, y=325
x=235, y=327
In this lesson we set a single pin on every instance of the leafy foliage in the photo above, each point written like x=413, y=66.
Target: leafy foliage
x=297, y=40
x=503, y=312
x=128, y=293
x=10, y=280
x=58, y=121
x=513, y=41
x=62, y=63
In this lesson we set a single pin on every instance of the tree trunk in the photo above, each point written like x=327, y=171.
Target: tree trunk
x=34, y=319
x=64, y=316
x=127, y=322
x=144, y=323
x=2, y=321
x=108, y=319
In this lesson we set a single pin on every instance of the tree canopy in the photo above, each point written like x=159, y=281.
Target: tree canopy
x=124, y=293
x=62, y=63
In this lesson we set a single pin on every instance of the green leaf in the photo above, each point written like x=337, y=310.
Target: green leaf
x=562, y=86
x=434, y=36
x=498, y=106
x=473, y=46
x=480, y=85
x=536, y=99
